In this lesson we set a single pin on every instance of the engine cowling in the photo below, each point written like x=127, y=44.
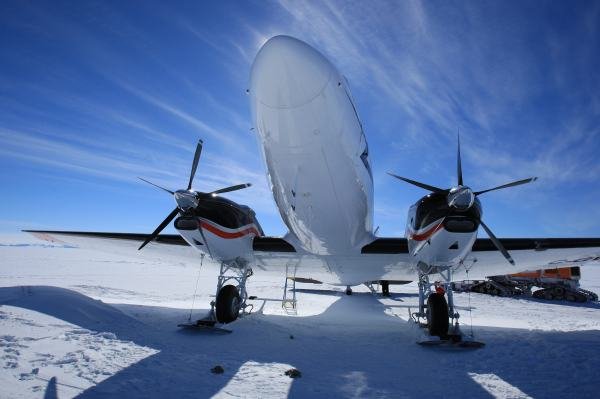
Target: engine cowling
x=220, y=227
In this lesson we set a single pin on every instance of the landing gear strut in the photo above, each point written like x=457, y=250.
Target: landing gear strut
x=439, y=313
x=231, y=299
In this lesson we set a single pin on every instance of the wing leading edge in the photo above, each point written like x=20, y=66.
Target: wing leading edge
x=384, y=258
x=260, y=244
x=170, y=239
x=400, y=245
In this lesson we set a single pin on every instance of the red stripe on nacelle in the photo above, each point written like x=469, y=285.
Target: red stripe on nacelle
x=226, y=234
x=424, y=236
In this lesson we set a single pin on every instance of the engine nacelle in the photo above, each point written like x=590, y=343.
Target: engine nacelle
x=220, y=227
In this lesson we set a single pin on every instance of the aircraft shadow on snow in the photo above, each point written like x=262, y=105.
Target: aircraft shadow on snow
x=370, y=354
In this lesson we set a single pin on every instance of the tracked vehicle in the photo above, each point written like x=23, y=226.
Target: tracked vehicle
x=550, y=284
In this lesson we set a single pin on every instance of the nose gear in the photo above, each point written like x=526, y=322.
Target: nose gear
x=439, y=315
x=230, y=302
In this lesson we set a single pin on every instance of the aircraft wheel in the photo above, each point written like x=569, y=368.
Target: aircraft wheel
x=437, y=315
x=228, y=304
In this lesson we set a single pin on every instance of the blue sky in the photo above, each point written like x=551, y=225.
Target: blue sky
x=94, y=94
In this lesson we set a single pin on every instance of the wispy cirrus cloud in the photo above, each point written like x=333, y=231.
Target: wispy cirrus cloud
x=127, y=93
x=522, y=93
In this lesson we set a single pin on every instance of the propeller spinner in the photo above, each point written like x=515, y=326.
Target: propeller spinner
x=462, y=198
x=187, y=199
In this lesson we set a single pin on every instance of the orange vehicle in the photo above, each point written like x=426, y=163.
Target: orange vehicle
x=560, y=283
x=560, y=273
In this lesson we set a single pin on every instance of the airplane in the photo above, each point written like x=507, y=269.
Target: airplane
x=317, y=162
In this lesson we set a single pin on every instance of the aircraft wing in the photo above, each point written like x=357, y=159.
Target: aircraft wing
x=263, y=244
x=169, y=248
x=272, y=254
x=382, y=259
x=170, y=239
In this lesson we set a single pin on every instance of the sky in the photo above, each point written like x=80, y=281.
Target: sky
x=95, y=94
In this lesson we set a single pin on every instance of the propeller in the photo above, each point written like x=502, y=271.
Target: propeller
x=459, y=164
x=160, y=227
x=156, y=185
x=497, y=243
x=195, y=163
x=515, y=183
x=433, y=189
x=187, y=200
x=462, y=198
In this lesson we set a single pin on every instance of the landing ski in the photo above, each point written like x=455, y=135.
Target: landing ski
x=452, y=342
x=204, y=325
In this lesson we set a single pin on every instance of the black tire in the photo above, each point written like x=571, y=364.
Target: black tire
x=228, y=304
x=437, y=315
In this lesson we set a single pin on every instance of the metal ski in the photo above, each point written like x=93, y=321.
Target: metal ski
x=204, y=325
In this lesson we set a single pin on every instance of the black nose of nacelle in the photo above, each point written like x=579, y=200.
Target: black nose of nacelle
x=461, y=198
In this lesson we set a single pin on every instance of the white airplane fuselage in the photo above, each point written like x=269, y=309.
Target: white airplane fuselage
x=318, y=167
x=314, y=148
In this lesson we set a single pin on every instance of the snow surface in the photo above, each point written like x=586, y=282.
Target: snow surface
x=99, y=322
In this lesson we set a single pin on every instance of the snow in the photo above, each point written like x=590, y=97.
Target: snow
x=98, y=322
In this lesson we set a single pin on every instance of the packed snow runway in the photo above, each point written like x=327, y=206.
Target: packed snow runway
x=97, y=322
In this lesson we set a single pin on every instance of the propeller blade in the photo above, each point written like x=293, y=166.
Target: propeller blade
x=459, y=164
x=195, y=163
x=232, y=188
x=418, y=184
x=160, y=227
x=497, y=243
x=515, y=183
x=156, y=185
